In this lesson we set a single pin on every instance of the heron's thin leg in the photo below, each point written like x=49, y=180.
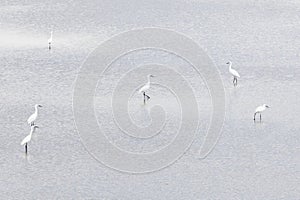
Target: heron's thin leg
x=260, y=116
x=144, y=97
x=254, y=116
x=148, y=97
x=235, y=81
x=26, y=148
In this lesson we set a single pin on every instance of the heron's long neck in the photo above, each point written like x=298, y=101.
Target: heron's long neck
x=230, y=66
x=32, y=130
x=36, y=110
x=148, y=80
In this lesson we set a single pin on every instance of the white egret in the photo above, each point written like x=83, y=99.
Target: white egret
x=28, y=137
x=145, y=88
x=233, y=72
x=33, y=117
x=50, y=40
x=260, y=109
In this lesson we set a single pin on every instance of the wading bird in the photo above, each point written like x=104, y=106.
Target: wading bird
x=260, y=109
x=145, y=88
x=33, y=117
x=28, y=137
x=234, y=73
x=50, y=40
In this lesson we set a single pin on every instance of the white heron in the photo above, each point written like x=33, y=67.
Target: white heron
x=28, y=137
x=33, y=117
x=233, y=72
x=146, y=87
x=260, y=109
x=50, y=40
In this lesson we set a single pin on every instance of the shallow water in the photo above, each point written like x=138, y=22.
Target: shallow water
x=250, y=160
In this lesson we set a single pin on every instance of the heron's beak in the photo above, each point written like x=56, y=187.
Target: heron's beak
x=227, y=63
x=268, y=106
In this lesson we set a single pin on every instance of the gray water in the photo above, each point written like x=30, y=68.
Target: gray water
x=250, y=160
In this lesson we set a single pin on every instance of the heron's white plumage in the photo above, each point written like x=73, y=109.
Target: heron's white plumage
x=51, y=38
x=33, y=117
x=144, y=88
x=232, y=71
x=147, y=85
x=261, y=108
x=28, y=137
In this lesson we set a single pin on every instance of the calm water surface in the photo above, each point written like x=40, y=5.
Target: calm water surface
x=250, y=161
